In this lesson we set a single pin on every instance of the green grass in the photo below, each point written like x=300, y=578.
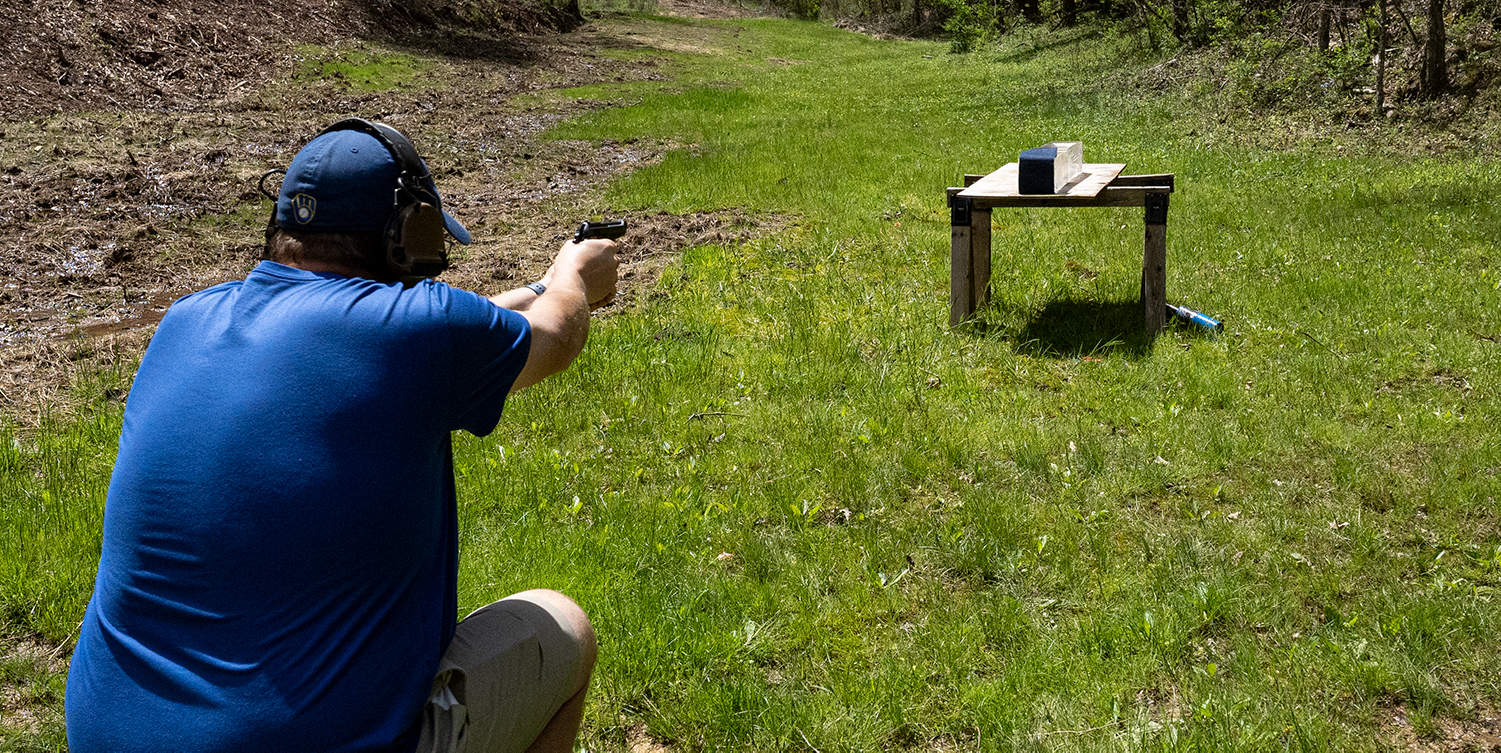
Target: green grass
x=53, y=484
x=361, y=68
x=1046, y=531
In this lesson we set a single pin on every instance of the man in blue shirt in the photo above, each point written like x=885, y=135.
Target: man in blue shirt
x=280, y=547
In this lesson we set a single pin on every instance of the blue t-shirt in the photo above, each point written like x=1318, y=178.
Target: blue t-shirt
x=279, y=558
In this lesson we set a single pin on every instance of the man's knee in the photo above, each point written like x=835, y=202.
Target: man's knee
x=523, y=659
x=572, y=620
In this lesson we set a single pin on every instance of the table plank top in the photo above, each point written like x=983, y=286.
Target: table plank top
x=1001, y=184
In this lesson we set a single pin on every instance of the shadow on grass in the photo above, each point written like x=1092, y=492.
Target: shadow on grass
x=515, y=49
x=491, y=30
x=1074, y=328
x=1054, y=40
x=502, y=45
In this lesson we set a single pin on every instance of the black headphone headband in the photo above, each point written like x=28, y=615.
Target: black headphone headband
x=412, y=175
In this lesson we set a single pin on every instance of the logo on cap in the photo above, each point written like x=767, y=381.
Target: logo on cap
x=304, y=206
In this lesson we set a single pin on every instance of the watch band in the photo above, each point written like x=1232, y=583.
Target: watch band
x=536, y=287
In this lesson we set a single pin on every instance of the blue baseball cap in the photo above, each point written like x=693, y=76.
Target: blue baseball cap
x=345, y=182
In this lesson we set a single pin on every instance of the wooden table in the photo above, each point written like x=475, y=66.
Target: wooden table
x=1097, y=185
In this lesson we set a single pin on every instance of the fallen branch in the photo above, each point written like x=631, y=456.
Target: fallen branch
x=698, y=416
x=1040, y=735
x=805, y=740
x=1342, y=356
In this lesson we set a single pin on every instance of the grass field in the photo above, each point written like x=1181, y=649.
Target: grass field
x=804, y=514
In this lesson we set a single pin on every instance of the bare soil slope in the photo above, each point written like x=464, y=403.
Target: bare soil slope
x=81, y=55
x=73, y=56
x=134, y=135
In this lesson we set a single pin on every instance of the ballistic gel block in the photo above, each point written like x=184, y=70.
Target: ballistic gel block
x=1048, y=168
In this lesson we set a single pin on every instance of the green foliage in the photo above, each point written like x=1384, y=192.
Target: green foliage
x=806, y=10
x=1276, y=72
x=969, y=23
x=1200, y=23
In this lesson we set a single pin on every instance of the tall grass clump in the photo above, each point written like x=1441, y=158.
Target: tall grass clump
x=52, y=485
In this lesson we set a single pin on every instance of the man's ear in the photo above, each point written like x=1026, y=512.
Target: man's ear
x=271, y=231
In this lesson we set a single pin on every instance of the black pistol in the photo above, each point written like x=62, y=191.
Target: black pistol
x=610, y=229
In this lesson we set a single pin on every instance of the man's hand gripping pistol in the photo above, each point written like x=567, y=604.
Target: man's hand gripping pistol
x=610, y=229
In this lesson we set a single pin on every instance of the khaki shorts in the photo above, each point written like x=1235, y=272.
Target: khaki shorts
x=511, y=666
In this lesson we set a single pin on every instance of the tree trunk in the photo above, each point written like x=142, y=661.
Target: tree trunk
x=1381, y=62
x=1435, y=71
x=1029, y=10
x=1324, y=30
x=1068, y=13
x=1180, y=22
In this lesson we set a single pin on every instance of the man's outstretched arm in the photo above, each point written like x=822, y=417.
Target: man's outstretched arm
x=582, y=278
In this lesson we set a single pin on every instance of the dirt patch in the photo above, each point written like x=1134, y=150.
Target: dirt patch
x=126, y=183
x=887, y=27
x=1481, y=732
x=1428, y=377
x=29, y=695
x=702, y=9
x=638, y=739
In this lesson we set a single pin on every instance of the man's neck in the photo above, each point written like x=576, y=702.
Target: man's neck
x=331, y=268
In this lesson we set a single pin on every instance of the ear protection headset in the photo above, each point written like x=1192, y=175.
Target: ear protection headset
x=413, y=235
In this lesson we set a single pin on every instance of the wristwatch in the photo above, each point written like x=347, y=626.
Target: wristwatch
x=536, y=287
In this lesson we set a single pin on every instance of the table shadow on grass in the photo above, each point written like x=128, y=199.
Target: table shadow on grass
x=1075, y=328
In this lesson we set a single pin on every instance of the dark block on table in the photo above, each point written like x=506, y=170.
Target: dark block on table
x=1035, y=170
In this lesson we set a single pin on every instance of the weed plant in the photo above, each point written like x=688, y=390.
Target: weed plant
x=804, y=513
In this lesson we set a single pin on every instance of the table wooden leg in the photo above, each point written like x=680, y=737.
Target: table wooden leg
x=1154, y=264
x=961, y=261
x=979, y=256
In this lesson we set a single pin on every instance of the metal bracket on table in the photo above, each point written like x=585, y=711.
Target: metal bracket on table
x=1156, y=209
x=959, y=210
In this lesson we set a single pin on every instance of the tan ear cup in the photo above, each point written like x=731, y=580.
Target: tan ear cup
x=422, y=238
